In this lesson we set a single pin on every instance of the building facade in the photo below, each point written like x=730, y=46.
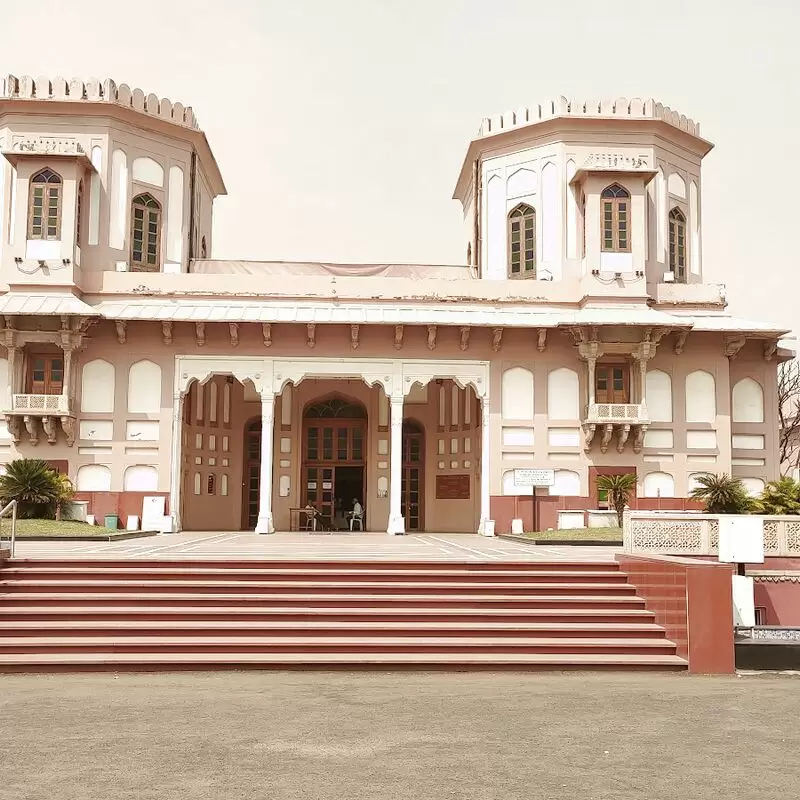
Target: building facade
x=578, y=336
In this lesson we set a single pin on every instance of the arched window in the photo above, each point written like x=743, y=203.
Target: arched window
x=79, y=216
x=677, y=245
x=44, y=207
x=145, y=234
x=616, y=203
x=522, y=242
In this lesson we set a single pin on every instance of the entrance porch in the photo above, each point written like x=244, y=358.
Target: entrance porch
x=257, y=443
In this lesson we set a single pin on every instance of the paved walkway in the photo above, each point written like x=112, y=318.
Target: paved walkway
x=367, y=546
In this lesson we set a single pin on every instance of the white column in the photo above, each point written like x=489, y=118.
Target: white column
x=175, y=465
x=397, y=526
x=486, y=526
x=265, y=524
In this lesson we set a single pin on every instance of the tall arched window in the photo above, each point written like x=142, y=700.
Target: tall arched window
x=522, y=242
x=677, y=245
x=616, y=203
x=44, y=206
x=145, y=234
x=79, y=216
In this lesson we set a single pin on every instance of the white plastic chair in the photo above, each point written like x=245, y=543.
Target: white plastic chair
x=357, y=519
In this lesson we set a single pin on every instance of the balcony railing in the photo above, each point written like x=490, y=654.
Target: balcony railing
x=40, y=404
x=622, y=413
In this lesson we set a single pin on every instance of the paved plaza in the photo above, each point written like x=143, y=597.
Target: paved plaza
x=354, y=736
x=368, y=546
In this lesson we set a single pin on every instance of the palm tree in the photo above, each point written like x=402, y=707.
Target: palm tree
x=65, y=491
x=33, y=484
x=619, y=489
x=780, y=497
x=722, y=494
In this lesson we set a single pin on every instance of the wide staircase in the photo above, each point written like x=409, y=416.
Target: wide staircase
x=84, y=615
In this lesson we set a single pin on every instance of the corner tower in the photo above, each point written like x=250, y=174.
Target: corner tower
x=564, y=189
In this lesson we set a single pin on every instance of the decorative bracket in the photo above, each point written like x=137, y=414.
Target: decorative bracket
x=354, y=331
x=638, y=438
x=49, y=426
x=622, y=436
x=431, y=337
x=14, y=428
x=680, y=342
x=311, y=334
x=733, y=344
x=541, y=341
x=497, y=339
x=398, y=337
x=608, y=429
x=266, y=333
x=588, y=434
x=32, y=428
x=68, y=424
x=464, y=344
x=200, y=333
x=770, y=348
x=122, y=333
x=233, y=328
x=166, y=331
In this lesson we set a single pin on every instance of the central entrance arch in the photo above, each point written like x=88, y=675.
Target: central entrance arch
x=333, y=472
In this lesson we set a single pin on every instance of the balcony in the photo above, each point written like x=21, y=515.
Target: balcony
x=40, y=413
x=40, y=405
x=622, y=418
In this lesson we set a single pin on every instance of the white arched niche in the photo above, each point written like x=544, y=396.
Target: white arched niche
x=658, y=484
x=93, y=478
x=141, y=478
x=748, y=401
x=97, y=387
x=517, y=393
x=521, y=182
x=701, y=397
x=147, y=170
x=144, y=388
x=658, y=396
x=563, y=397
x=567, y=483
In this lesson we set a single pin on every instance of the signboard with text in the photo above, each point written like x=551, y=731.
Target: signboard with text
x=534, y=477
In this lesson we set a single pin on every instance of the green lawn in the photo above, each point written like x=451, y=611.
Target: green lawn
x=579, y=534
x=50, y=527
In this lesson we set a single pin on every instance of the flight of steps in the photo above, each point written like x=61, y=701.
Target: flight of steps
x=125, y=615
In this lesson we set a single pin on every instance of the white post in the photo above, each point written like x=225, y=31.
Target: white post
x=176, y=456
x=265, y=524
x=486, y=526
x=397, y=525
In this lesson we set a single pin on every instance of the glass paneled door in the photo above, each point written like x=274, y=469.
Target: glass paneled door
x=413, y=478
x=251, y=480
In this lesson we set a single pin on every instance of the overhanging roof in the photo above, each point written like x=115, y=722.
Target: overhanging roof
x=24, y=304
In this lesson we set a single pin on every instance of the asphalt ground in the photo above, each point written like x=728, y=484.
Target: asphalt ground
x=253, y=735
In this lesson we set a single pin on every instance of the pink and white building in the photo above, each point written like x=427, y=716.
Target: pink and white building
x=577, y=337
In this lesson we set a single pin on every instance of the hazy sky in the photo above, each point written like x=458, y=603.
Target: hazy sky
x=340, y=125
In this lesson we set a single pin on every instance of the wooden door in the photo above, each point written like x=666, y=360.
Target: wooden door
x=251, y=475
x=46, y=375
x=412, y=490
x=612, y=384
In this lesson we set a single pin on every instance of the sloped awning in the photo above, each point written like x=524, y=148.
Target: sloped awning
x=33, y=304
x=723, y=323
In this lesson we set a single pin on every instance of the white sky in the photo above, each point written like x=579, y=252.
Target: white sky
x=343, y=123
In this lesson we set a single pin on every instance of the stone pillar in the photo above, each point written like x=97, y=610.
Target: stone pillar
x=265, y=524
x=397, y=525
x=591, y=363
x=175, y=461
x=486, y=526
x=642, y=380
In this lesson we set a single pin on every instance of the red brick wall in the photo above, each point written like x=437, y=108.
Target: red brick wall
x=121, y=503
x=693, y=601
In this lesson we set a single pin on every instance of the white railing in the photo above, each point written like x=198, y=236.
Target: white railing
x=40, y=404
x=634, y=413
x=682, y=533
x=9, y=509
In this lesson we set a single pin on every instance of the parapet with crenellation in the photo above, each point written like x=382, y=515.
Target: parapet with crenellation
x=93, y=90
x=621, y=108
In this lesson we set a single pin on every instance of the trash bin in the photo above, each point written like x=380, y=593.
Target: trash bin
x=111, y=521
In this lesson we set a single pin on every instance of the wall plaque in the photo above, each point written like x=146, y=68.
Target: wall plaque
x=452, y=487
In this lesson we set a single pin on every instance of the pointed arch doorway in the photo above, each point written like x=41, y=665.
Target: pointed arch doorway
x=334, y=458
x=412, y=492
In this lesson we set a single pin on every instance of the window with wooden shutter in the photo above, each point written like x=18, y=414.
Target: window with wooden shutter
x=615, y=202
x=677, y=245
x=46, y=375
x=44, y=205
x=145, y=234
